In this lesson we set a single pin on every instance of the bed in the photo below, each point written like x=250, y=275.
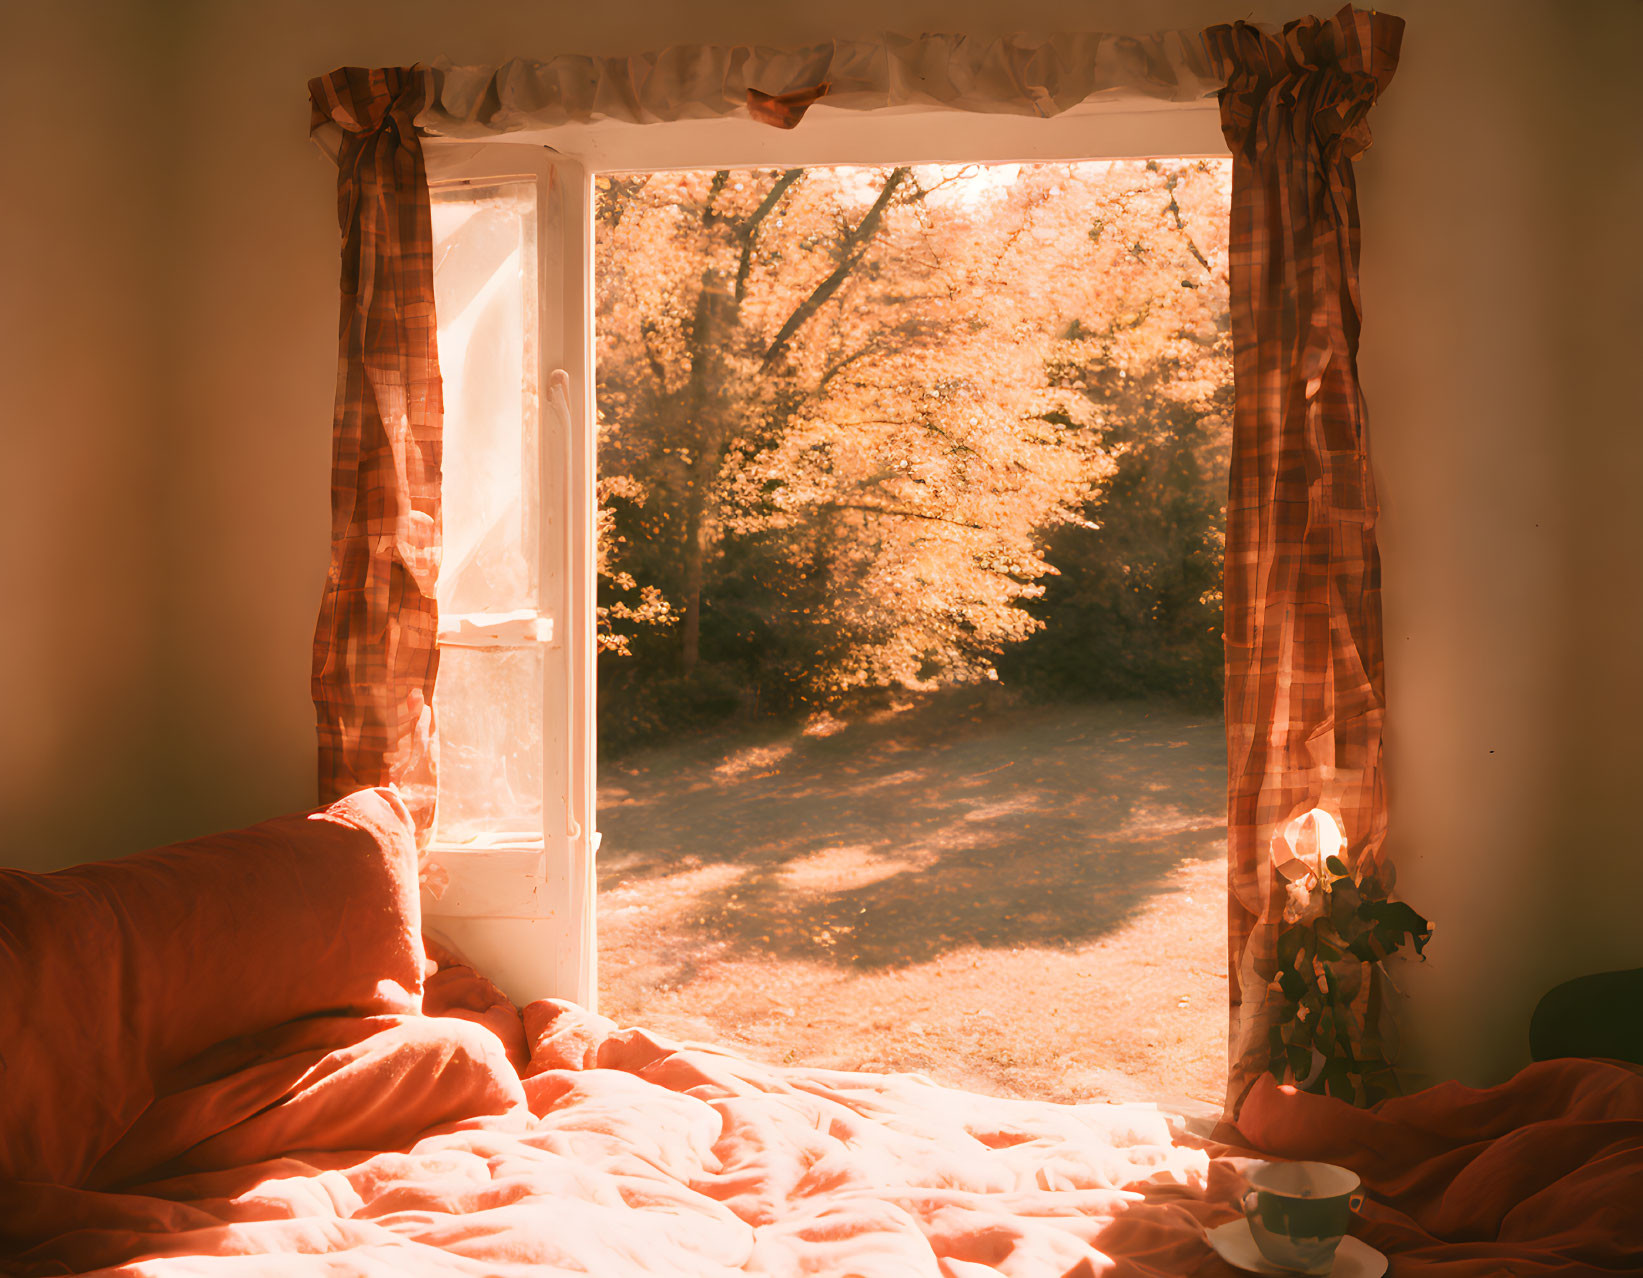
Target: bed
x=238, y=1056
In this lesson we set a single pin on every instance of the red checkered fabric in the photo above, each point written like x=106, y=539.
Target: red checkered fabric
x=375, y=655
x=1304, y=687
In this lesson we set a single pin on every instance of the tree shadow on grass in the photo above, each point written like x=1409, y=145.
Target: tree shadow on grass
x=892, y=841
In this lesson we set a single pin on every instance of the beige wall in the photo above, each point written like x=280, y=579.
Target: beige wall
x=83, y=303
x=1501, y=274
x=169, y=290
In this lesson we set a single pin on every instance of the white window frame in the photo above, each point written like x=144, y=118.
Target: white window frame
x=525, y=916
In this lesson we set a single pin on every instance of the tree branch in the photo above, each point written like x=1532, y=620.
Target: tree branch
x=968, y=171
x=720, y=177
x=658, y=370
x=839, y=365
x=1180, y=223
x=897, y=513
x=619, y=194
x=749, y=230
x=852, y=250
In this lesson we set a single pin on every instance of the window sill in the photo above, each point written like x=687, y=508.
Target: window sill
x=487, y=882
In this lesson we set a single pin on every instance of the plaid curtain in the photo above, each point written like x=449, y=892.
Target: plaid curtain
x=374, y=647
x=1304, y=703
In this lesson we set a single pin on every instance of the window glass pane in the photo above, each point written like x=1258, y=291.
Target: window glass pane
x=485, y=293
x=488, y=712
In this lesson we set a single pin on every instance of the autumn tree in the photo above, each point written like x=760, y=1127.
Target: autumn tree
x=851, y=417
x=1134, y=607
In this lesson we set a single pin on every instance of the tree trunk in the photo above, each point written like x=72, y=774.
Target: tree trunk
x=716, y=317
x=695, y=557
x=705, y=427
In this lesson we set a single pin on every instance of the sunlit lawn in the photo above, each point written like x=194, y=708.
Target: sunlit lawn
x=1018, y=899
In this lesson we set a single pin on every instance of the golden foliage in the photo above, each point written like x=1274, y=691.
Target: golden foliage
x=843, y=410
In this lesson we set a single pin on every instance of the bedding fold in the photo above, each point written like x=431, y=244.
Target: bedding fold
x=119, y=973
x=1541, y=1175
x=474, y=1138
x=414, y=1145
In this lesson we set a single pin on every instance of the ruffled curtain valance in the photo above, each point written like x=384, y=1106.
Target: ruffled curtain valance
x=1009, y=75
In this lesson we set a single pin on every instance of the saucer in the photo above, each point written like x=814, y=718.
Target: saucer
x=1236, y=1245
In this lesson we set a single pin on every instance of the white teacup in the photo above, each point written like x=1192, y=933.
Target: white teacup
x=1299, y=1212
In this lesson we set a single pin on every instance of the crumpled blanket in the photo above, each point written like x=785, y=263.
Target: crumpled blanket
x=481, y=1140
x=398, y=1144
x=1542, y=1175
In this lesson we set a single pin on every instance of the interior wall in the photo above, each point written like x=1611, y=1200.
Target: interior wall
x=83, y=302
x=170, y=287
x=1501, y=270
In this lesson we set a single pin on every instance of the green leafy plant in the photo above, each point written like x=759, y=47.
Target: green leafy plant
x=1332, y=1034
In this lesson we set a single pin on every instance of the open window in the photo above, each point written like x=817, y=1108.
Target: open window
x=514, y=701
x=513, y=274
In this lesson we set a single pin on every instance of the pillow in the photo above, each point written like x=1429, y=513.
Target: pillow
x=1599, y=1015
x=115, y=973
